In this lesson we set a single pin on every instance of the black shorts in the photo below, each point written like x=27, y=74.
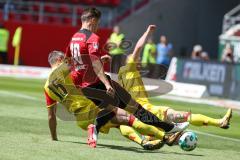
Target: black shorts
x=97, y=93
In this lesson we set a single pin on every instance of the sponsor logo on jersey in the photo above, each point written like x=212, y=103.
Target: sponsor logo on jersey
x=77, y=39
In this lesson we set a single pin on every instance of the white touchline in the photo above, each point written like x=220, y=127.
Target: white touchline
x=216, y=136
x=20, y=95
x=216, y=103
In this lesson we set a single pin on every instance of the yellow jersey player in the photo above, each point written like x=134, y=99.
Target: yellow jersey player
x=130, y=78
x=59, y=88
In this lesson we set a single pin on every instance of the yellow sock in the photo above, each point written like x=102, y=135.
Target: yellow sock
x=149, y=130
x=130, y=133
x=202, y=120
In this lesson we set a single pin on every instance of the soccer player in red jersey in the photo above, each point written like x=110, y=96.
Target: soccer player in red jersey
x=88, y=73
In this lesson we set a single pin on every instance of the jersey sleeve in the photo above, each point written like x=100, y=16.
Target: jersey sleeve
x=49, y=101
x=93, y=47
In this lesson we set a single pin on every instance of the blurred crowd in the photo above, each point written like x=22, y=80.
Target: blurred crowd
x=199, y=54
x=153, y=54
x=157, y=56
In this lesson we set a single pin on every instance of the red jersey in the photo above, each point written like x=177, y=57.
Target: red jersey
x=84, y=48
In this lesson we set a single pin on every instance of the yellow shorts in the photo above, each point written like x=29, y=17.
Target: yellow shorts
x=105, y=129
x=86, y=117
x=159, y=111
x=83, y=123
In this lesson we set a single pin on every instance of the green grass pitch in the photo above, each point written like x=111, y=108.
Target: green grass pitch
x=24, y=133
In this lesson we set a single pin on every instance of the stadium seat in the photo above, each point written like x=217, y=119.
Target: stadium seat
x=108, y=2
x=22, y=7
x=115, y=2
x=76, y=1
x=79, y=10
x=35, y=18
x=35, y=7
x=89, y=2
x=52, y=20
x=64, y=9
x=1, y=16
x=50, y=8
x=102, y=2
x=26, y=18
x=12, y=16
x=67, y=21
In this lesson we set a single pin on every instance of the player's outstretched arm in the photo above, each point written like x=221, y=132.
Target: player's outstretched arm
x=142, y=41
x=52, y=122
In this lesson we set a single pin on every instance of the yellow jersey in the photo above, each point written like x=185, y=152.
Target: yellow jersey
x=59, y=88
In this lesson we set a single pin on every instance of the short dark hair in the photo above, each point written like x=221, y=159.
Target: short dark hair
x=89, y=13
x=54, y=56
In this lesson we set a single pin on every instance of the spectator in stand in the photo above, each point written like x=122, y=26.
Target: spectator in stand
x=204, y=56
x=149, y=52
x=197, y=52
x=4, y=37
x=227, y=55
x=117, y=52
x=164, y=51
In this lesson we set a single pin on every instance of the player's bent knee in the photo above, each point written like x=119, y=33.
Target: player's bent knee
x=176, y=116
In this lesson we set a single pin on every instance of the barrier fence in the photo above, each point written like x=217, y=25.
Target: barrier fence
x=221, y=79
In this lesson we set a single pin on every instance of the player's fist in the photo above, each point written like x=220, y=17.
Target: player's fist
x=106, y=58
x=151, y=28
x=110, y=90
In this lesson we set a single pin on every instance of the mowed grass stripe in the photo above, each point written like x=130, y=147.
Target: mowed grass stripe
x=24, y=134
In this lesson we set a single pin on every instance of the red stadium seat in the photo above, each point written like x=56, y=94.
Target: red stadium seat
x=115, y=2
x=35, y=7
x=79, y=10
x=26, y=17
x=52, y=19
x=108, y=2
x=67, y=21
x=50, y=8
x=22, y=7
x=35, y=18
x=102, y=2
x=89, y=2
x=12, y=16
x=75, y=1
x=64, y=9
x=1, y=16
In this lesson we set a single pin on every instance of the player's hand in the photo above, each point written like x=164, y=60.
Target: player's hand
x=110, y=90
x=151, y=28
x=106, y=58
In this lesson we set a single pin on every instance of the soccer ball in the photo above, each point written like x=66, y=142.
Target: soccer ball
x=188, y=141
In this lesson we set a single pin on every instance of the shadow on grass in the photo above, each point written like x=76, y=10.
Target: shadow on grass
x=134, y=149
